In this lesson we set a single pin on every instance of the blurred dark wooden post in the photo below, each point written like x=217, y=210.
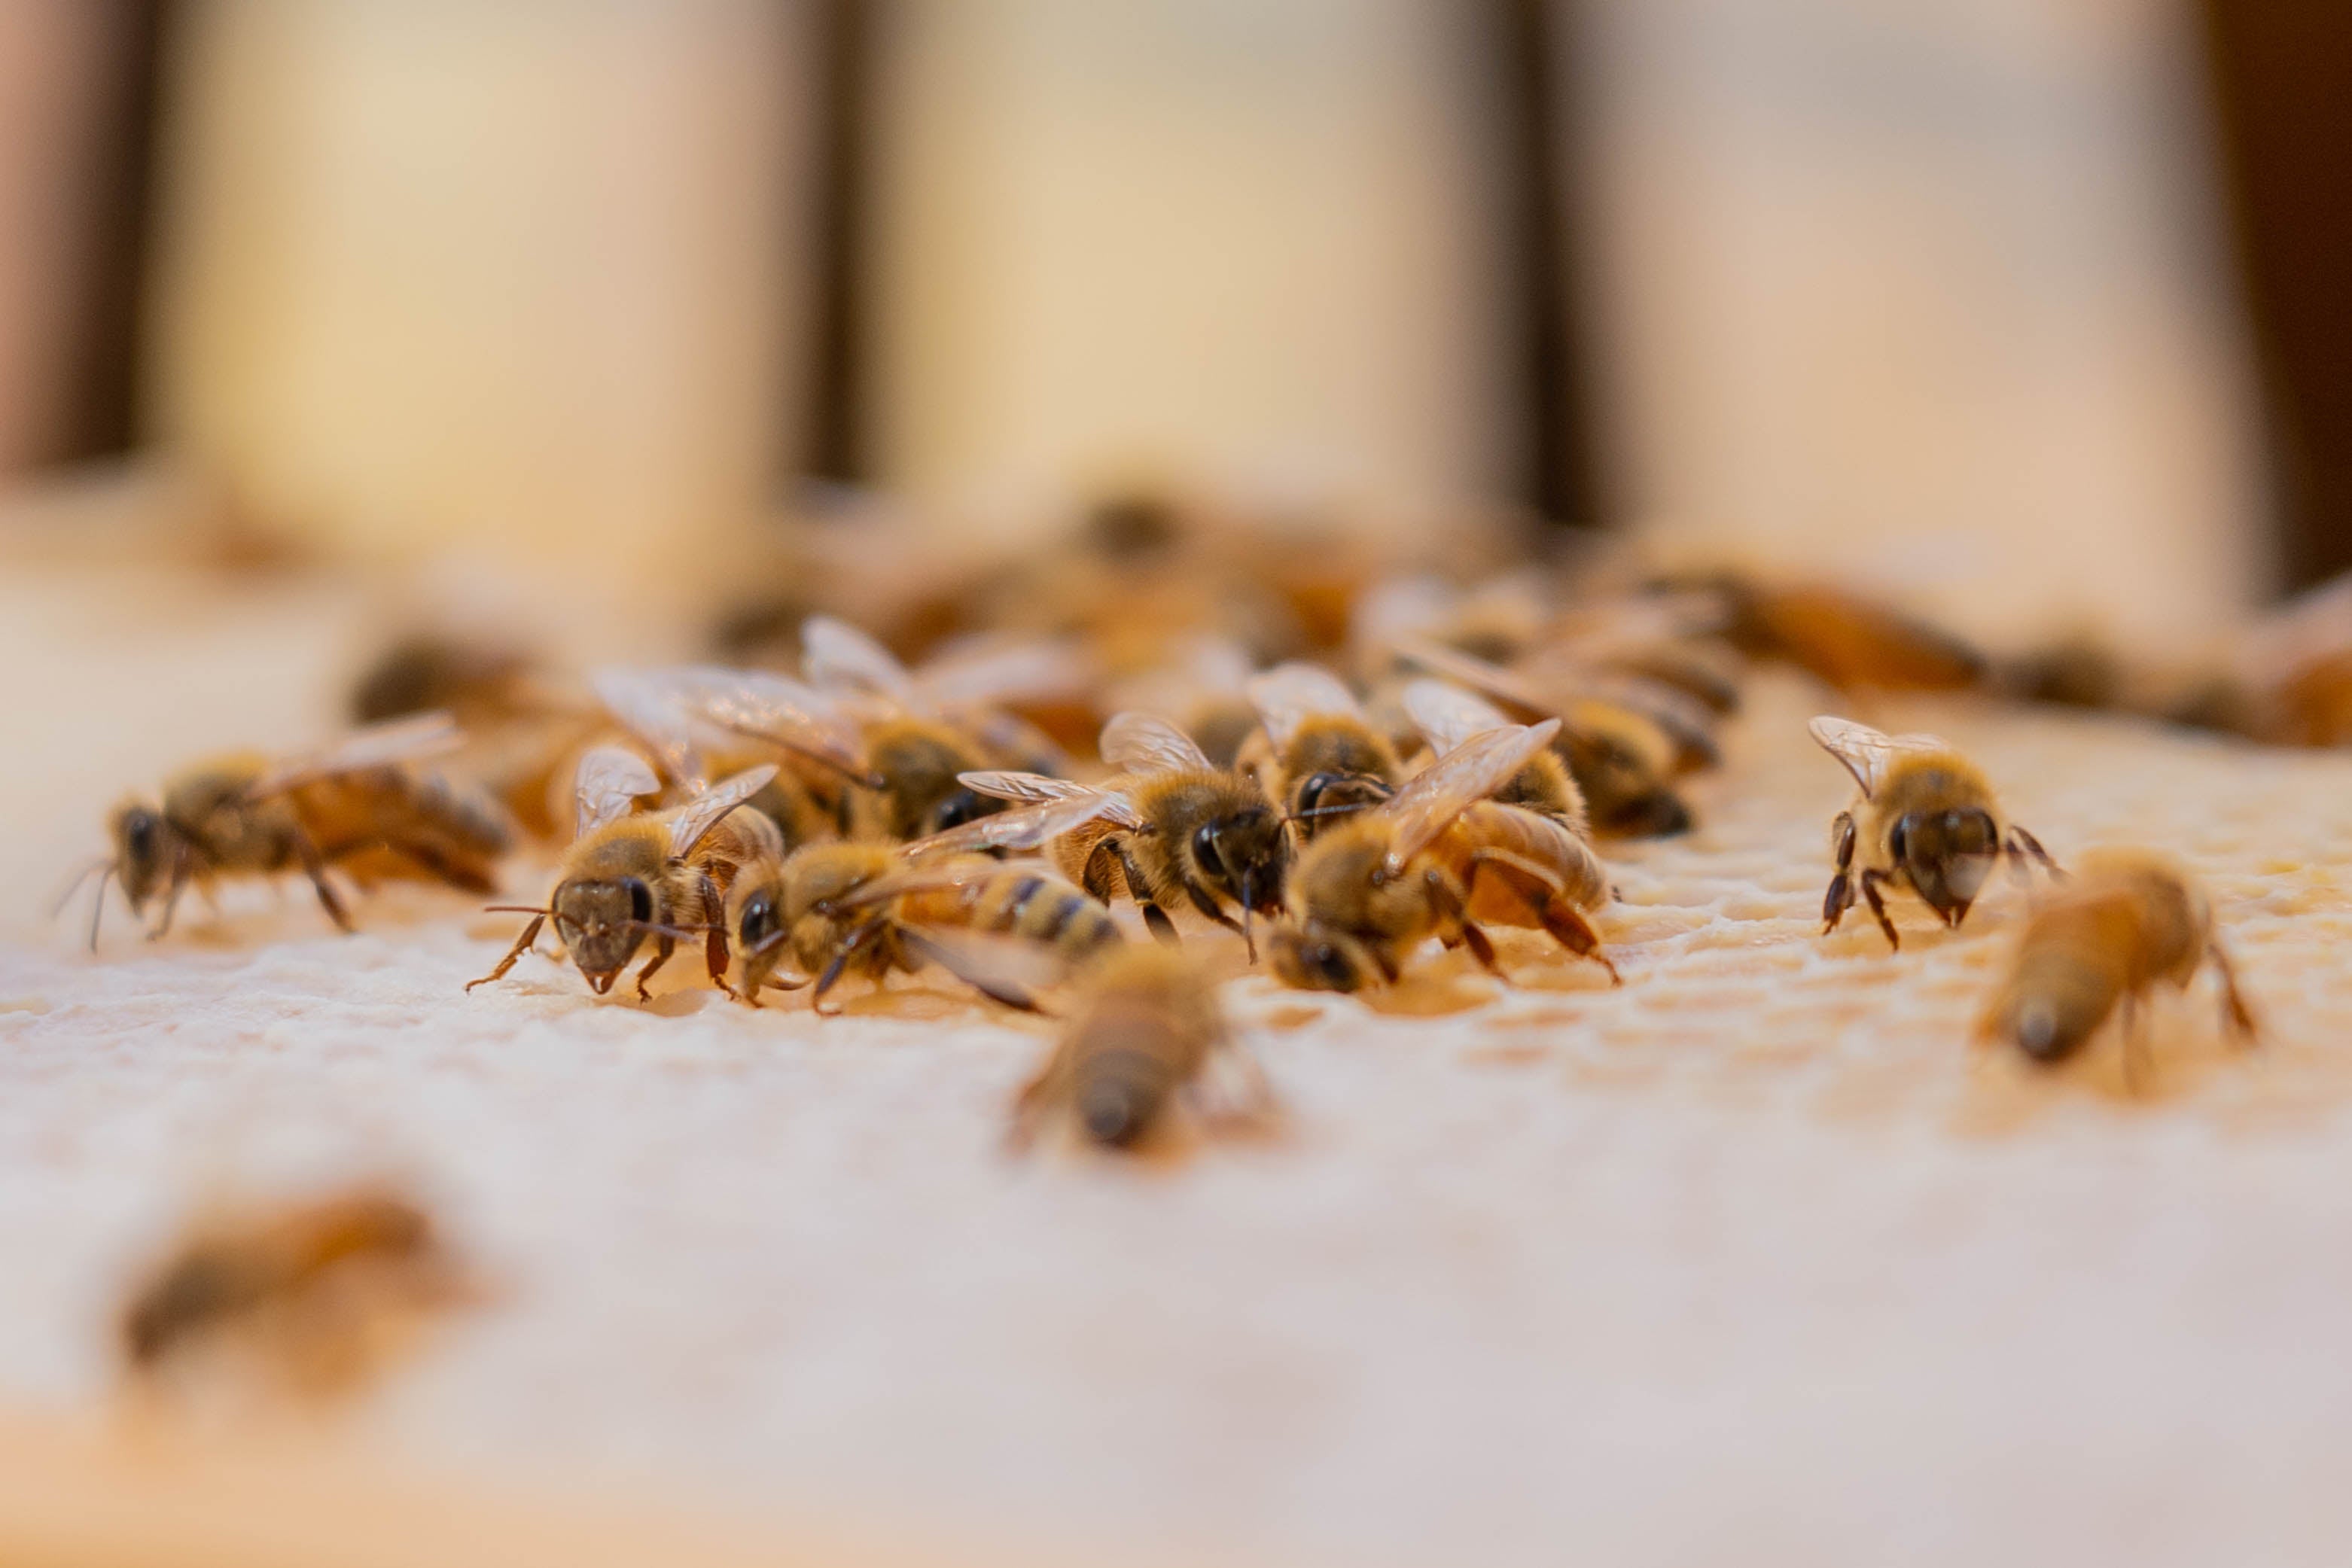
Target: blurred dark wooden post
x=1561, y=479
x=103, y=416
x=2282, y=74
x=845, y=34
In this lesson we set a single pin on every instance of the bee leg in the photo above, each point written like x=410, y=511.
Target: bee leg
x=1095, y=876
x=1206, y=902
x=1482, y=947
x=2021, y=842
x=1840, y=894
x=315, y=869
x=2237, y=1018
x=715, y=955
x=429, y=859
x=668, y=946
x=1154, y=917
x=859, y=939
x=1870, y=881
x=522, y=943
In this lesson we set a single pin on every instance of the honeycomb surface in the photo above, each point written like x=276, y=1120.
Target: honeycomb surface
x=1757, y=1258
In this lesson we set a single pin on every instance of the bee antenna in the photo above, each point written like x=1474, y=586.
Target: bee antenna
x=73, y=884
x=660, y=930
x=515, y=909
x=98, y=906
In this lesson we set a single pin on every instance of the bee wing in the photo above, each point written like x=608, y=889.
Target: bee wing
x=1288, y=694
x=932, y=877
x=1431, y=798
x=378, y=745
x=1478, y=674
x=1035, y=789
x=1144, y=743
x=1866, y=753
x=1005, y=968
x=649, y=704
x=1448, y=714
x=778, y=709
x=1020, y=830
x=838, y=657
x=1007, y=673
x=609, y=780
x=705, y=811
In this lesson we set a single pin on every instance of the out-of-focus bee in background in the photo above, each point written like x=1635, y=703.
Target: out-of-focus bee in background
x=1441, y=859
x=1321, y=758
x=1849, y=642
x=2124, y=920
x=1451, y=718
x=865, y=907
x=632, y=875
x=1147, y=1035
x=1172, y=827
x=318, y=1293
x=1924, y=818
x=1623, y=757
x=1203, y=690
x=362, y=804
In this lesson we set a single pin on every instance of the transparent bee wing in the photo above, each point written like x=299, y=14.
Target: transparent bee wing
x=927, y=877
x=648, y=705
x=1144, y=743
x=1035, y=789
x=610, y=780
x=1449, y=715
x=1287, y=696
x=1020, y=829
x=1431, y=798
x=1005, y=968
x=778, y=709
x=1866, y=753
x=1479, y=674
x=378, y=745
x=1005, y=673
x=838, y=657
x=694, y=820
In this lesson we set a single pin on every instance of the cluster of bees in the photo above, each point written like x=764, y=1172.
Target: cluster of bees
x=1458, y=763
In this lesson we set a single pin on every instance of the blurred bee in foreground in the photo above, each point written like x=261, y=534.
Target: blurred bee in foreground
x=362, y=804
x=1622, y=750
x=868, y=908
x=1321, y=758
x=633, y=874
x=1926, y=820
x=318, y=1288
x=1170, y=826
x=2126, y=920
x=1440, y=859
x=1147, y=1034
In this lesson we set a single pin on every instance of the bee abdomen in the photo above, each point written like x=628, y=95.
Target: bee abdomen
x=1118, y=1093
x=467, y=817
x=2056, y=1002
x=1051, y=912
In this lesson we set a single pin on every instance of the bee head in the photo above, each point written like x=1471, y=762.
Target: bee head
x=601, y=922
x=1946, y=855
x=146, y=847
x=1311, y=959
x=1324, y=798
x=1244, y=854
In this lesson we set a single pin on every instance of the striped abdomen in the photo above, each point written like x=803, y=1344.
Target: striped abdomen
x=1028, y=904
x=452, y=830
x=2074, y=963
x=1524, y=835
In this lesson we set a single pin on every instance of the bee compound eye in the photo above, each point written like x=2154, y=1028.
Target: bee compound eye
x=1205, y=849
x=641, y=901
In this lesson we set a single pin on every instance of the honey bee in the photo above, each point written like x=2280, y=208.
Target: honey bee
x=1440, y=859
x=1926, y=818
x=2126, y=920
x=309, y=1280
x=1322, y=758
x=922, y=730
x=1149, y=1032
x=1848, y=643
x=1623, y=759
x=361, y=803
x=632, y=875
x=1171, y=826
x=1449, y=715
x=695, y=721
x=480, y=683
x=862, y=906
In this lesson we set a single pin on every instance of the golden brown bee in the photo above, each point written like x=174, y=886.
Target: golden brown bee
x=920, y=731
x=362, y=803
x=1171, y=826
x=1926, y=820
x=479, y=683
x=631, y=874
x=1322, y=758
x=1149, y=1032
x=1449, y=715
x=2127, y=919
x=308, y=1280
x=1847, y=642
x=1441, y=859
x=1622, y=757
x=865, y=907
